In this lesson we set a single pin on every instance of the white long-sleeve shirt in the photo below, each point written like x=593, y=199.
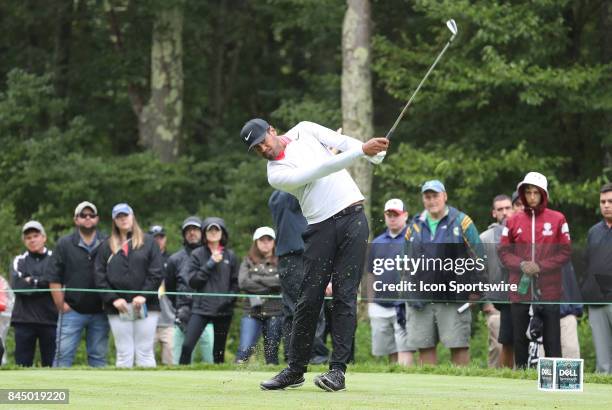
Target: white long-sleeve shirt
x=316, y=177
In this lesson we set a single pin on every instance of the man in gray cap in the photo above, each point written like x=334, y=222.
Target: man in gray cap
x=34, y=315
x=72, y=266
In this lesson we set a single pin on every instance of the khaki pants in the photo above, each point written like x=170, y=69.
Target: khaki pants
x=164, y=336
x=494, y=346
x=438, y=322
x=570, y=347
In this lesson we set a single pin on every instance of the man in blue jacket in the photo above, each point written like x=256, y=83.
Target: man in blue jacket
x=441, y=233
x=387, y=314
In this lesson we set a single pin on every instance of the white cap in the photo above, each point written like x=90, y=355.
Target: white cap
x=83, y=205
x=395, y=205
x=536, y=179
x=213, y=225
x=33, y=225
x=264, y=231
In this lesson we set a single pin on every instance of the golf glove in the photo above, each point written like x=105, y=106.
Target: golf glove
x=378, y=158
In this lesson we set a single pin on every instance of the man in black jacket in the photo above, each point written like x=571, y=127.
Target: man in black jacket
x=597, y=286
x=72, y=266
x=34, y=315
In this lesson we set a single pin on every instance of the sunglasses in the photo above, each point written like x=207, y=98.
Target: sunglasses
x=87, y=215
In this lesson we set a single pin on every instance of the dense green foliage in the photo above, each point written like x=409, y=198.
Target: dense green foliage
x=525, y=86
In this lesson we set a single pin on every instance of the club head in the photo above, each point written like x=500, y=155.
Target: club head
x=452, y=26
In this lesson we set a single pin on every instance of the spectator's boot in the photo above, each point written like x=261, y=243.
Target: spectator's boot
x=331, y=381
x=286, y=378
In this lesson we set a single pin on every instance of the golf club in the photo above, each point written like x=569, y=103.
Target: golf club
x=452, y=26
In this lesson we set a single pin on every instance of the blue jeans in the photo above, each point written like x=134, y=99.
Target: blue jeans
x=69, y=328
x=250, y=330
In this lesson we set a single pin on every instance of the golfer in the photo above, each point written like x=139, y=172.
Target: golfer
x=300, y=163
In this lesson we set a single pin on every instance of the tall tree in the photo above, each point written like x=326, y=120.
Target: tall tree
x=63, y=40
x=357, y=104
x=606, y=23
x=161, y=118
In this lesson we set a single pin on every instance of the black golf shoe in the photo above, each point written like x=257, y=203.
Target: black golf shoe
x=331, y=381
x=286, y=378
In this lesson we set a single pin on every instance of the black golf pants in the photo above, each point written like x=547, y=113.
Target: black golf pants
x=336, y=245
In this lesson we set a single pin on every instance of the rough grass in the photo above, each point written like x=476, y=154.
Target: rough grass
x=239, y=389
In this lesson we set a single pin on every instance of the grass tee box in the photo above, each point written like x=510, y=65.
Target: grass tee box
x=240, y=389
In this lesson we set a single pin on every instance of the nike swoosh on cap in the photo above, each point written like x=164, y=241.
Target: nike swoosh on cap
x=248, y=136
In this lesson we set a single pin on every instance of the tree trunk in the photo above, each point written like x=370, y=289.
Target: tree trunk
x=606, y=23
x=224, y=54
x=357, y=87
x=161, y=118
x=63, y=43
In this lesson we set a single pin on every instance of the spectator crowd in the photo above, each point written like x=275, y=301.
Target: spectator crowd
x=126, y=283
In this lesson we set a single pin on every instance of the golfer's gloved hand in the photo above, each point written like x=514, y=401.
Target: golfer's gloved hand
x=375, y=146
x=378, y=158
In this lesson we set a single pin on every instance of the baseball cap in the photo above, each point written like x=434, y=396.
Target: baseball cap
x=433, y=185
x=122, y=208
x=191, y=221
x=254, y=132
x=157, y=230
x=213, y=225
x=264, y=231
x=395, y=205
x=33, y=225
x=83, y=205
x=515, y=196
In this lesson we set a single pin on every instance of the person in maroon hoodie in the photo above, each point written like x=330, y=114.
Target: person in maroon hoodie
x=534, y=246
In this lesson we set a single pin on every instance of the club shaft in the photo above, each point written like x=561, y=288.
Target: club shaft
x=399, y=118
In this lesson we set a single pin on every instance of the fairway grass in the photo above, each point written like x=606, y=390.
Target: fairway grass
x=240, y=389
